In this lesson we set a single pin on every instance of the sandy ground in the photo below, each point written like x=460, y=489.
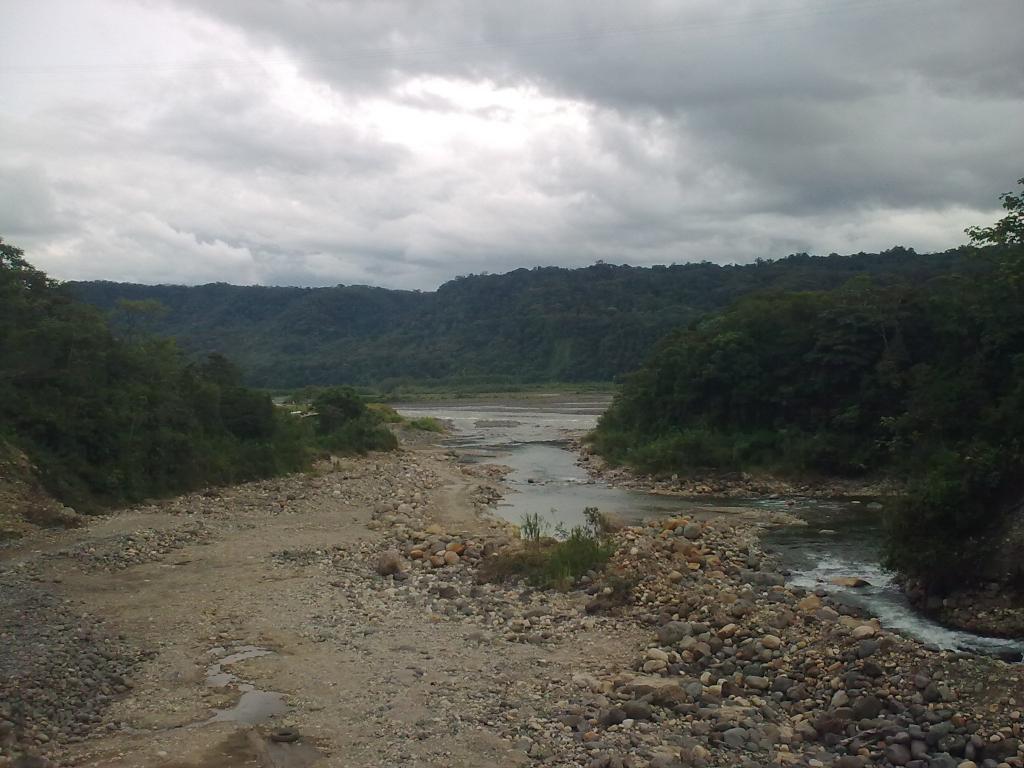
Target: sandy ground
x=368, y=681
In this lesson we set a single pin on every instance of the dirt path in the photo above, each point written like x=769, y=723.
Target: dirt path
x=370, y=672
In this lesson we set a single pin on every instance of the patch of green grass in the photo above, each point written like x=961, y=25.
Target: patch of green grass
x=549, y=563
x=534, y=527
x=427, y=424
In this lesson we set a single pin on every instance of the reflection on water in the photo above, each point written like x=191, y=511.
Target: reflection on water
x=545, y=479
x=841, y=538
x=254, y=705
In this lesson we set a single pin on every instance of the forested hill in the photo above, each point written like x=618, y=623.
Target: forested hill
x=923, y=381
x=538, y=325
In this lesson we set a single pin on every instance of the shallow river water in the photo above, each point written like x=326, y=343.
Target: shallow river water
x=841, y=538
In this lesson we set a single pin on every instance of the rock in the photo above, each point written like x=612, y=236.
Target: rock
x=451, y=558
x=867, y=707
x=736, y=738
x=866, y=648
x=644, y=685
x=809, y=604
x=771, y=642
x=673, y=632
x=758, y=683
x=637, y=710
x=665, y=759
x=693, y=531
x=839, y=699
x=389, y=563
x=611, y=717
x=728, y=631
x=863, y=632
x=781, y=684
x=586, y=681
x=656, y=654
x=850, y=581
x=897, y=754
x=31, y=761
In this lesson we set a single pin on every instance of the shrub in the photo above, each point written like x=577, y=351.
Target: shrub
x=534, y=527
x=427, y=424
x=549, y=563
x=359, y=435
x=385, y=413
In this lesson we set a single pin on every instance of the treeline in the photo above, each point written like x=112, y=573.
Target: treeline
x=920, y=379
x=109, y=419
x=498, y=331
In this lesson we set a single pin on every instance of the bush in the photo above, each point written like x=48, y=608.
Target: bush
x=427, y=424
x=359, y=435
x=345, y=424
x=336, y=406
x=385, y=413
x=549, y=563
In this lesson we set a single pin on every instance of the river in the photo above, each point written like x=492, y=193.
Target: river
x=840, y=538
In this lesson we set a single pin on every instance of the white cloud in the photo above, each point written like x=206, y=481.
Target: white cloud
x=392, y=144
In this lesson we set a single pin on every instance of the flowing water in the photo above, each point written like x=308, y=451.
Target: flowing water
x=840, y=539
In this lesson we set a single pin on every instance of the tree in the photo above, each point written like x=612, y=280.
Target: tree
x=336, y=406
x=1009, y=230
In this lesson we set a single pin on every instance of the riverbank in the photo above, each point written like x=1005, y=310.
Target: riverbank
x=727, y=484
x=348, y=602
x=994, y=610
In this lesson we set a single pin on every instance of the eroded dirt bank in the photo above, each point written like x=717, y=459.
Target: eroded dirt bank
x=151, y=637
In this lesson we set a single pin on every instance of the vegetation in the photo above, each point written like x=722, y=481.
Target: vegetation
x=345, y=424
x=427, y=424
x=923, y=379
x=552, y=563
x=113, y=419
x=487, y=333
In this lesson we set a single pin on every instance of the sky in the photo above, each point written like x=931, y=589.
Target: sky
x=404, y=142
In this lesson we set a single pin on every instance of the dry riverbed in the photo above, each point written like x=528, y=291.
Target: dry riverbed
x=253, y=626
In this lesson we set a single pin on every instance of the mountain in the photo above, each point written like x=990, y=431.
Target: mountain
x=539, y=325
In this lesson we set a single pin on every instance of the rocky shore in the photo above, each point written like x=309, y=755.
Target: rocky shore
x=355, y=596
x=724, y=484
x=995, y=609
x=739, y=669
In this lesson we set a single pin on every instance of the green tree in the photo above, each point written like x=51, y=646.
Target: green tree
x=336, y=406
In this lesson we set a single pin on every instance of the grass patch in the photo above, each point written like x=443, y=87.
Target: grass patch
x=427, y=424
x=385, y=413
x=551, y=563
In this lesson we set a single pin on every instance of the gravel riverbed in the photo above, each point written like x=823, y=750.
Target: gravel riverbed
x=361, y=584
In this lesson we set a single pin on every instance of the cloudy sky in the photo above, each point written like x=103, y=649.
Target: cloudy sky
x=403, y=142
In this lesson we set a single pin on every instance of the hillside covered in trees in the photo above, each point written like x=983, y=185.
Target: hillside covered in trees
x=540, y=325
x=921, y=379
x=108, y=419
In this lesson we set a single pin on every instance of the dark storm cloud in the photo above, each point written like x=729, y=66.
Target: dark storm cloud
x=821, y=103
x=402, y=142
